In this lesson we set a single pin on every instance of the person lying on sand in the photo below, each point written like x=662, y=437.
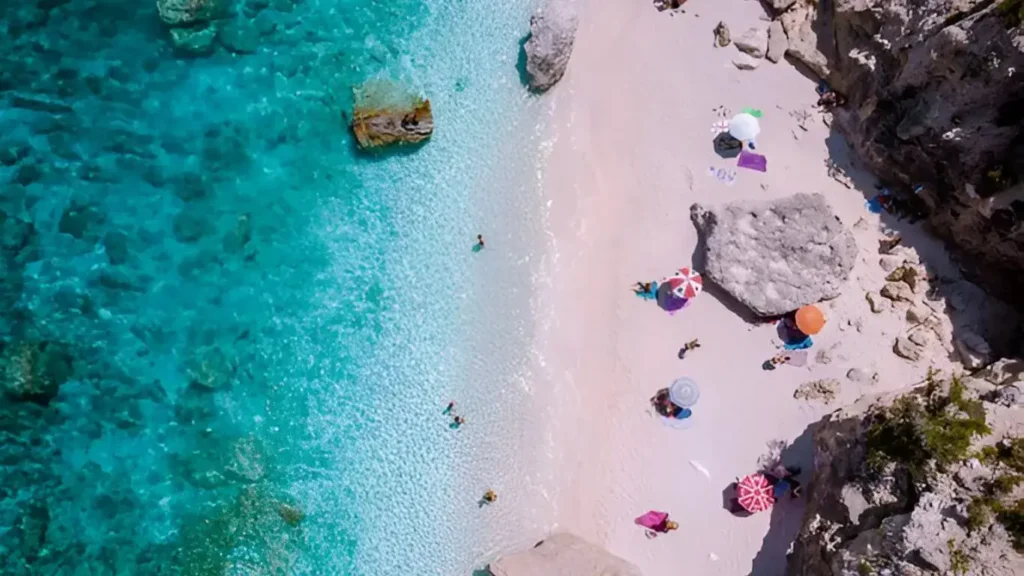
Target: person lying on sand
x=691, y=345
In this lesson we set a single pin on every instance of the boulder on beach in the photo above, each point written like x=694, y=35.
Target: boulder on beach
x=776, y=256
x=383, y=114
x=552, y=32
x=563, y=555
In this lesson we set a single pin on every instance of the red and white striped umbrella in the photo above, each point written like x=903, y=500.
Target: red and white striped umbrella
x=691, y=283
x=754, y=493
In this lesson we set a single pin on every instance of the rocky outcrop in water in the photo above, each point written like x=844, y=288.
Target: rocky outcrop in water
x=552, y=32
x=897, y=490
x=563, y=555
x=382, y=116
x=777, y=256
x=936, y=100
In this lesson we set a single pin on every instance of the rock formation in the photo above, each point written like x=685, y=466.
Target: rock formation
x=189, y=12
x=754, y=42
x=777, y=256
x=563, y=555
x=935, y=105
x=552, y=32
x=383, y=115
x=889, y=495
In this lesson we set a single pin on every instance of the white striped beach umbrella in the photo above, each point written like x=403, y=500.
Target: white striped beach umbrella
x=691, y=283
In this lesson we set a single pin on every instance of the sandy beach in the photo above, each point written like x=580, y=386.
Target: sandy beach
x=632, y=151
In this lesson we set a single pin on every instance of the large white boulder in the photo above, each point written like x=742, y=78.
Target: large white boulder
x=776, y=256
x=552, y=32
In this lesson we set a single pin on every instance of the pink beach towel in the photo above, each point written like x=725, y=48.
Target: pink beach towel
x=652, y=519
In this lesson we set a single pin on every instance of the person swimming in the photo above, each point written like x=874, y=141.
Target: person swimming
x=449, y=408
x=457, y=422
x=479, y=243
x=490, y=496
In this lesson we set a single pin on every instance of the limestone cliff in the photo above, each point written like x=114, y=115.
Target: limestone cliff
x=935, y=94
x=916, y=484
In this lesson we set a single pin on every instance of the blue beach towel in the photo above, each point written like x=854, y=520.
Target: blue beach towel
x=799, y=344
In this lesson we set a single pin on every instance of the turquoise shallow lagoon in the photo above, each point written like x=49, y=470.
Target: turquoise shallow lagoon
x=226, y=336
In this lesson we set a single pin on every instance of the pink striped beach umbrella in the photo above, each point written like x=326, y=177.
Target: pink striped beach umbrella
x=754, y=493
x=690, y=283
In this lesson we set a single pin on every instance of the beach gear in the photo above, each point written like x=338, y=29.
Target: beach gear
x=744, y=126
x=804, y=344
x=752, y=161
x=809, y=319
x=683, y=392
x=691, y=283
x=754, y=493
x=667, y=298
x=652, y=519
x=651, y=294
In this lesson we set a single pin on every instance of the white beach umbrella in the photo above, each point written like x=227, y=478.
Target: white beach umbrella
x=744, y=127
x=683, y=392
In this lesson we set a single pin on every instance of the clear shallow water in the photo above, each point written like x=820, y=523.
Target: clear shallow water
x=226, y=337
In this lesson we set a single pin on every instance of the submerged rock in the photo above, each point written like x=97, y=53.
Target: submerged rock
x=552, y=33
x=563, y=555
x=34, y=371
x=384, y=115
x=240, y=37
x=194, y=40
x=189, y=12
x=776, y=256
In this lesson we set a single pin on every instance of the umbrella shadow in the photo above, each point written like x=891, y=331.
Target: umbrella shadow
x=788, y=513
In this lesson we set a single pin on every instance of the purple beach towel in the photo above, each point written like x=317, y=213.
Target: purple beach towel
x=752, y=161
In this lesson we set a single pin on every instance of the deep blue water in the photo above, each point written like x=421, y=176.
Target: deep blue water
x=224, y=333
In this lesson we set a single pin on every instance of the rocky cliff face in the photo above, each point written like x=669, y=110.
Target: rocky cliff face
x=936, y=98
x=896, y=490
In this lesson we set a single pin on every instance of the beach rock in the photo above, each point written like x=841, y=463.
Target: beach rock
x=563, y=555
x=897, y=292
x=878, y=303
x=722, y=38
x=973, y=350
x=1009, y=396
x=799, y=24
x=383, y=115
x=1005, y=371
x=781, y=5
x=777, y=42
x=776, y=256
x=194, y=40
x=860, y=376
x=922, y=338
x=918, y=314
x=745, y=62
x=189, y=12
x=890, y=263
x=906, y=349
x=552, y=33
x=824, y=390
x=753, y=42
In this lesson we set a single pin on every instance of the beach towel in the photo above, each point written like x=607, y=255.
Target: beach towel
x=752, y=161
x=651, y=294
x=799, y=344
x=652, y=519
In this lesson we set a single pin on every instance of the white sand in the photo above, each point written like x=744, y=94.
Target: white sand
x=633, y=122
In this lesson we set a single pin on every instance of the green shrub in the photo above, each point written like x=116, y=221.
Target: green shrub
x=865, y=569
x=978, y=514
x=959, y=560
x=938, y=428
x=1012, y=518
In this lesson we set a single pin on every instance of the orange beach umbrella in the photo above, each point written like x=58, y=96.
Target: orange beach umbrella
x=809, y=320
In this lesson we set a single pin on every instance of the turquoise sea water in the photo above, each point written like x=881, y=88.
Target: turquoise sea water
x=226, y=336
